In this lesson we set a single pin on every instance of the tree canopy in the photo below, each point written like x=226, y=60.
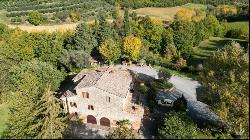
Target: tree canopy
x=177, y=125
x=184, y=37
x=50, y=120
x=225, y=76
x=110, y=51
x=123, y=131
x=131, y=47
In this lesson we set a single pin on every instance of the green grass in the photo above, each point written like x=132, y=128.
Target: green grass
x=3, y=118
x=162, y=85
x=178, y=73
x=207, y=47
x=237, y=25
x=204, y=135
x=195, y=6
x=182, y=74
x=3, y=18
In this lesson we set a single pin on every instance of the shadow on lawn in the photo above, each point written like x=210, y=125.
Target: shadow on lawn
x=222, y=42
x=212, y=45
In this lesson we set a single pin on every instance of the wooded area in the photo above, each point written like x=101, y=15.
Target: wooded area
x=34, y=65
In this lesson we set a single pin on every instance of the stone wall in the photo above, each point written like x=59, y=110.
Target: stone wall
x=114, y=110
x=102, y=107
x=67, y=107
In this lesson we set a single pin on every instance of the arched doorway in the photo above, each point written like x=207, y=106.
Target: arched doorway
x=105, y=121
x=91, y=119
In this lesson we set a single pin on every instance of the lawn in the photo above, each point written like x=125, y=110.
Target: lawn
x=207, y=47
x=195, y=6
x=237, y=25
x=202, y=52
x=3, y=118
x=178, y=73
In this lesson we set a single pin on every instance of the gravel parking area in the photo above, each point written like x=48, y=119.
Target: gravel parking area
x=186, y=86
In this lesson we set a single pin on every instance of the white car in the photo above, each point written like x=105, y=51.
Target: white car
x=166, y=102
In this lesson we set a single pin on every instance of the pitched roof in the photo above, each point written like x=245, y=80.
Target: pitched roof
x=113, y=80
x=68, y=93
x=88, y=79
x=85, y=72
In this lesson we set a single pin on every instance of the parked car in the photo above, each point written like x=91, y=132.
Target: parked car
x=165, y=102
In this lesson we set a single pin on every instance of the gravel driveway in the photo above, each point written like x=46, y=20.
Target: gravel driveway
x=187, y=86
x=196, y=109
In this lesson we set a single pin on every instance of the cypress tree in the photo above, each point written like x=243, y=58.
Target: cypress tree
x=84, y=39
x=50, y=120
x=105, y=31
x=28, y=84
x=21, y=106
x=126, y=23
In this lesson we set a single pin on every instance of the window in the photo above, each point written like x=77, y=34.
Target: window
x=73, y=104
x=90, y=107
x=85, y=95
x=133, y=107
x=108, y=99
x=132, y=90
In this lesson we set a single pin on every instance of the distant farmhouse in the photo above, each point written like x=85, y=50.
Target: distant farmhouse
x=104, y=96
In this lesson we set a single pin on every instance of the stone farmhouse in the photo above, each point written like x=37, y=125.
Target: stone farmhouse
x=104, y=96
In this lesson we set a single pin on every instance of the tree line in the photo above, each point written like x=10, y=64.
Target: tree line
x=33, y=65
x=166, y=3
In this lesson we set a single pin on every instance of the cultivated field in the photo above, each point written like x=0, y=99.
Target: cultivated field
x=167, y=13
x=49, y=28
x=162, y=13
